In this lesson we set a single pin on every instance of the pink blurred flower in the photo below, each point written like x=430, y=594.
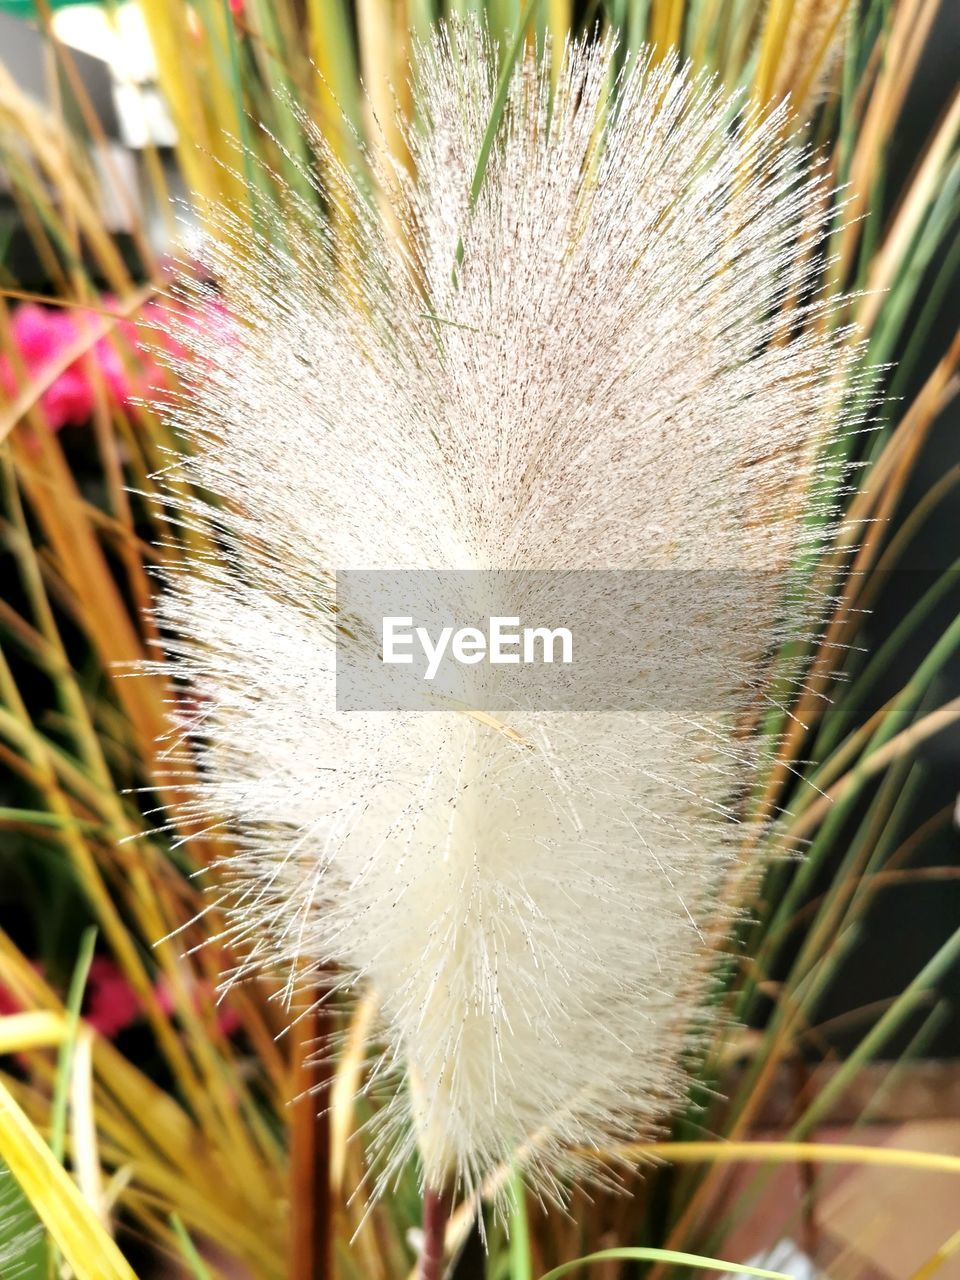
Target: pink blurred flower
x=43, y=334
x=112, y=1003
x=8, y=1002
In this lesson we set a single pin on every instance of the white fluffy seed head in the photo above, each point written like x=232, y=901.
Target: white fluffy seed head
x=609, y=361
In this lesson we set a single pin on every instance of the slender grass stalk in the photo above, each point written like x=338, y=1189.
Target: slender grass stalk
x=312, y=1210
x=521, y=1267
x=78, y=982
x=189, y=1250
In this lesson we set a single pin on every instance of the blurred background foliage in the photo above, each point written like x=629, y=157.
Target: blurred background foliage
x=172, y=1111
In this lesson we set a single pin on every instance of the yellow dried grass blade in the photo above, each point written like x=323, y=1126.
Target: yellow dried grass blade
x=558, y=24
x=346, y=1086
x=666, y=24
x=896, y=748
x=54, y=196
x=383, y=59
x=170, y=37
x=786, y=1153
x=942, y=1255
x=382, y=64
x=87, y=1248
x=816, y=30
x=20, y=1032
x=331, y=48
x=83, y=1123
x=772, y=45
x=910, y=213
x=28, y=397
x=911, y=26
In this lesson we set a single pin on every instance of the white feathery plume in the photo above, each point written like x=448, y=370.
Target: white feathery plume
x=584, y=368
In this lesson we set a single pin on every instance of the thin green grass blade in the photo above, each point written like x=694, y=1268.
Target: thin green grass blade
x=899, y=716
x=41, y=818
x=638, y=22
x=189, y=1250
x=422, y=17
x=500, y=100
x=926, y=246
x=496, y=113
x=878, y=663
x=61, y=1089
x=61, y=1086
x=886, y=1026
x=521, y=1265
x=920, y=329
x=227, y=55
x=748, y=1198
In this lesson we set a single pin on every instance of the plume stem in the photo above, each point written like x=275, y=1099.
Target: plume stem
x=311, y=1208
x=436, y=1211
